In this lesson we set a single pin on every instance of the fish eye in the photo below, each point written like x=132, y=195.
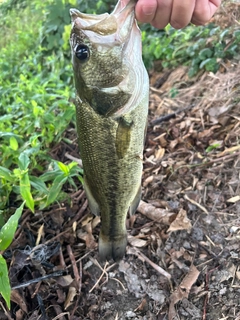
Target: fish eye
x=82, y=52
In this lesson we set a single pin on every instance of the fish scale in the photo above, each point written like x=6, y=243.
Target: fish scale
x=111, y=118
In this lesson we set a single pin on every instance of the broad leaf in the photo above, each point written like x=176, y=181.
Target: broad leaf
x=8, y=230
x=5, y=288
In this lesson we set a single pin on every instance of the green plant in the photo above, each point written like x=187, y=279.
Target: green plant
x=201, y=48
x=213, y=147
x=6, y=236
x=33, y=190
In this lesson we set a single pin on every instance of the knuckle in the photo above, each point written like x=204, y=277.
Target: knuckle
x=178, y=25
x=159, y=25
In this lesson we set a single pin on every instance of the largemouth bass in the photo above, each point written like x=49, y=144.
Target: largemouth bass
x=112, y=89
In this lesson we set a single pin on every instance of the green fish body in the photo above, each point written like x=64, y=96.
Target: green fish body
x=112, y=105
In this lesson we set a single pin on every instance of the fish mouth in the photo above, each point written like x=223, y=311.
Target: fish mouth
x=117, y=24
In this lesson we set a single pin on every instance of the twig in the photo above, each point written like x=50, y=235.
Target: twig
x=80, y=274
x=210, y=240
x=122, y=285
x=5, y=311
x=79, y=214
x=41, y=306
x=39, y=234
x=69, y=227
x=61, y=315
x=58, y=310
x=196, y=204
x=81, y=258
x=154, y=265
x=222, y=159
x=61, y=258
x=58, y=273
x=74, y=265
x=75, y=308
x=36, y=289
x=170, y=116
x=207, y=295
x=103, y=272
x=79, y=161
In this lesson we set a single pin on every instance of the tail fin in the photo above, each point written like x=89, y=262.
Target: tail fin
x=112, y=249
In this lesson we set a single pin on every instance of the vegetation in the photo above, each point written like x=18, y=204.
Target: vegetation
x=36, y=87
x=200, y=48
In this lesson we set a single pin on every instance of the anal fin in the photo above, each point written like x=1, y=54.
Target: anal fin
x=135, y=203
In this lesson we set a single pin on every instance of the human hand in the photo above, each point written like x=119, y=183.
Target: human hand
x=178, y=13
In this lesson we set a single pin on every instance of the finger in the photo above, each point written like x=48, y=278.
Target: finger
x=204, y=10
x=182, y=12
x=124, y=2
x=145, y=10
x=163, y=14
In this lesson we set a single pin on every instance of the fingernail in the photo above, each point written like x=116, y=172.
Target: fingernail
x=148, y=11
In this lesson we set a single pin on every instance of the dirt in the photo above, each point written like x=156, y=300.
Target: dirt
x=182, y=261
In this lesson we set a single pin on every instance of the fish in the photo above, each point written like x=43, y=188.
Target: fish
x=112, y=95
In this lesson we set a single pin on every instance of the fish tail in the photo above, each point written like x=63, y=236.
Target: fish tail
x=112, y=248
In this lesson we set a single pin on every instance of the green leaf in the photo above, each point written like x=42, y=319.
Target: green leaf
x=25, y=191
x=205, y=53
x=8, y=230
x=51, y=175
x=55, y=189
x=212, y=147
x=38, y=184
x=72, y=165
x=209, y=64
x=5, y=288
x=13, y=143
x=6, y=174
x=23, y=161
x=224, y=33
x=64, y=168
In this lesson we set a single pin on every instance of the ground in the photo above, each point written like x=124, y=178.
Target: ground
x=183, y=256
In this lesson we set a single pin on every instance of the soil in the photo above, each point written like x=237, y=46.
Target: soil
x=182, y=261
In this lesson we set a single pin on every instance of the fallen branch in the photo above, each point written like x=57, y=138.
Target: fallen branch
x=152, y=264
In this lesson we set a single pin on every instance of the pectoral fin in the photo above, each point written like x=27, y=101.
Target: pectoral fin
x=123, y=137
x=135, y=202
x=91, y=201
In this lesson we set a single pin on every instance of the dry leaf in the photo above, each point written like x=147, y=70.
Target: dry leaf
x=135, y=242
x=19, y=300
x=234, y=199
x=20, y=315
x=95, y=221
x=183, y=290
x=229, y=150
x=71, y=295
x=87, y=219
x=238, y=274
x=65, y=281
x=181, y=222
x=159, y=154
x=228, y=273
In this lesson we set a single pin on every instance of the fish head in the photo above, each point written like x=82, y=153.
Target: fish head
x=107, y=60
